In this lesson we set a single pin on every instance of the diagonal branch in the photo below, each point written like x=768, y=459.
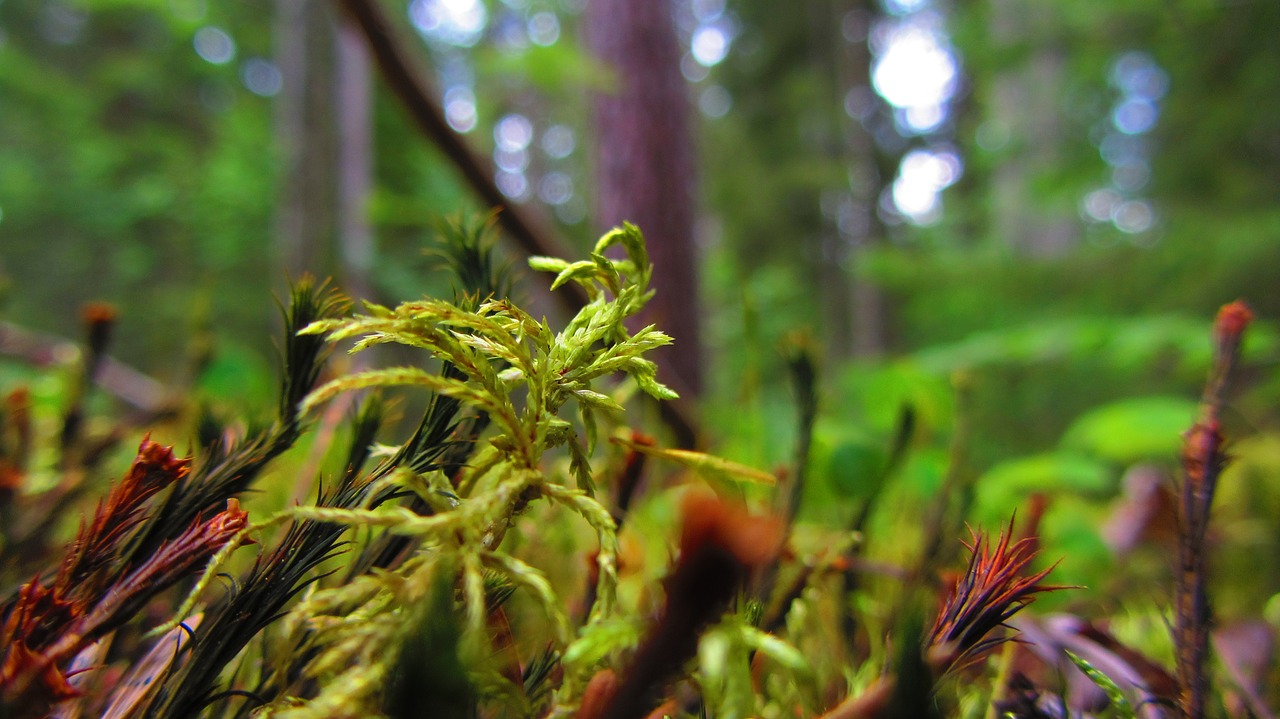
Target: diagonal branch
x=413, y=92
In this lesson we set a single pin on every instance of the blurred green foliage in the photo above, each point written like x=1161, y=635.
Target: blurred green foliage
x=137, y=172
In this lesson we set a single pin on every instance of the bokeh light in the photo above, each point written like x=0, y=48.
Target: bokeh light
x=1100, y=204
x=455, y=22
x=860, y=102
x=513, y=132
x=710, y=44
x=460, y=108
x=558, y=141
x=511, y=160
x=1135, y=115
x=715, y=101
x=993, y=135
x=555, y=188
x=1125, y=146
x=572, y=212
x=544, y=28
x=261, y=77
x=1136, y=74
x=513, y=184
x=61, y=23
x=693, y=70
x=707, y=10
x=905, y=7
x=214, y=45
x=922, y=176
x=915, y=71
x=1133, y=216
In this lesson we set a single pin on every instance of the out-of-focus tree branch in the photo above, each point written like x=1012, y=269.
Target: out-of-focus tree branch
x=413, y=92
x=124, y=382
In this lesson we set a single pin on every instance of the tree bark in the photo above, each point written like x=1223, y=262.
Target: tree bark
x=644, y=165
x=874, y=167
x=307, y=136
x=354, y=93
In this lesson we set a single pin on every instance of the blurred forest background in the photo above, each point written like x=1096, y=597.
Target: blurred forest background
x=1016, y=218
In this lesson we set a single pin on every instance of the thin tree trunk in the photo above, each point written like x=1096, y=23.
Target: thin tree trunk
x=1028, y=98
x=873, y=168
x=354, y=93
x=306, y=221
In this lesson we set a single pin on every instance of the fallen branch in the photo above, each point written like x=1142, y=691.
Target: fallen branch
x=130, y=386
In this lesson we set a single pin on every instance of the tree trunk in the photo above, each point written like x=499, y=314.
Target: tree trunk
x=871, y=169
x=324, y=127
x=644, y=165
x=1028, y=97
x=354, y=92
x=307, y=136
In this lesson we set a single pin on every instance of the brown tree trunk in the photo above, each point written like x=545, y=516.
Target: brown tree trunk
x=644, y=165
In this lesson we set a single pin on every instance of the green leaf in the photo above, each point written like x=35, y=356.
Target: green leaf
x=652, y=387
x=392, y=377
x=776, y=649
x=597, y=400
x=607, y=273
x=601, y=639
x=1133, y=429
x=580, y=467
x=713, y=654
x=1119, y=706
x=579, y=271
x=541, y=263
x=854, y=467
x=702, y=463
x=631, y=239
x=1061, y=471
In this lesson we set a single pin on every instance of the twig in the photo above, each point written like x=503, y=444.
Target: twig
x=897, y=455
x=803, y=371
x=1202, y=462
x=942, y=518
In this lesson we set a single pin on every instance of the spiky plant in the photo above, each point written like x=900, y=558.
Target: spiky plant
x=996, y=585
x=156, y=526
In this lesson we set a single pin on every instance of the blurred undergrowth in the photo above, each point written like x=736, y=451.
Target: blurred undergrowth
x=527, y=549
